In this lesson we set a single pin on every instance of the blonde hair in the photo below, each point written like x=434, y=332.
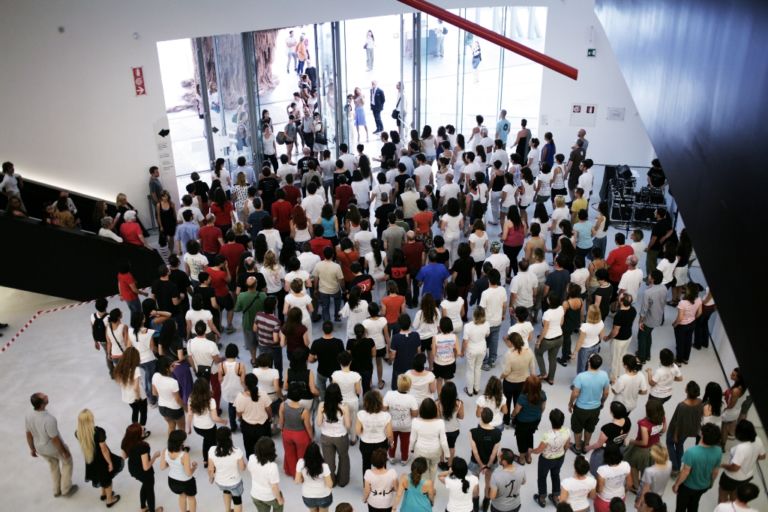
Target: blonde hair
x=270, y=260
x=659, y=454
x=403, y=383
x=593, y=314
x=241, y=179
x=238, y=228
x=121, y=199
x=559, y=201
x=478, y=315
x=85, y=434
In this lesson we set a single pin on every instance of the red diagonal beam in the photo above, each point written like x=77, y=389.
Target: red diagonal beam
x=493, y=37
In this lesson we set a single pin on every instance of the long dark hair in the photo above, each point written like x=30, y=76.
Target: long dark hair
x=514, y=217
x=376, y=247
x=200, y=399
x=448, y=398
x=354, y=297
x=313, y=460
x=332, y=403
x=428, y=309
x=713, y=395
x=223, y=442
x=459, y=470
x=137, y=322
x=418, y=468
x=252, y=385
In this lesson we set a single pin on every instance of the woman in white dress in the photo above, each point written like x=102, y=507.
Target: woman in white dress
x=298, y=298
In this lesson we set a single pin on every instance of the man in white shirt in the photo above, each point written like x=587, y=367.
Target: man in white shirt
x=423, y=173
x=494, y=301
x=186, y=202
x=313, y=203
x=307, y=258
x=469, y=169
x=449, y=191
x=498, y=259
x=205, y=354
x=349, y=160
x=485, y=140
x=285, y=168
x=11, y=183
x=523, y=289
x=500, y=154
x=631, y=279
x=586, y=180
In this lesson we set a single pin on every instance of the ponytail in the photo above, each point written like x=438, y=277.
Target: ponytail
x=252, y=384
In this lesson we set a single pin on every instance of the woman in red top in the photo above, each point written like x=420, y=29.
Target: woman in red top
x=222, y=209
x=392, y=306
x=513, y=236
x=649, y=430
x=294, y=334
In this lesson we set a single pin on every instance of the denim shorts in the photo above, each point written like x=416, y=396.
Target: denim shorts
x=323, y=502
x=234, y=490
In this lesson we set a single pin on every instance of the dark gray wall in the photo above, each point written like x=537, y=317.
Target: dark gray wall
x=698, y=72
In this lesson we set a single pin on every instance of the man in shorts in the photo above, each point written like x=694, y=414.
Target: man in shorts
x=589, y=392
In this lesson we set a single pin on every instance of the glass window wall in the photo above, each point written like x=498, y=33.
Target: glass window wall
x=260, y=79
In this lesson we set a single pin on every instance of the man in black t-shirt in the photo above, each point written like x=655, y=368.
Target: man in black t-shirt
x=557, y=281
x=303, y=163
x=325, y=350
x=657, y=178
x=661, y=233
x=388, y=148
x=573, y=167
x=268, y=186
x=382, y=214
x=249, y=266
x=165, y=292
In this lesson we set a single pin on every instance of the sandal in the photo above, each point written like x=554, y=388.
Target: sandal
x=115, y=499
x=381, y=384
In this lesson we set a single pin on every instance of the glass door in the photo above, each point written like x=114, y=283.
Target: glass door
x=228, y=99
x=325, y=84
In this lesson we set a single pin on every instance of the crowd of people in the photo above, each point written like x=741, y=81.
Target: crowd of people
x=363, y=285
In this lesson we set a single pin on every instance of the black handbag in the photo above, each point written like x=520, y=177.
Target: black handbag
x=395, y=114
x=320, y=138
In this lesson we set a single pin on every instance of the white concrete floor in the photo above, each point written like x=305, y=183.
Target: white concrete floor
x=55, y=355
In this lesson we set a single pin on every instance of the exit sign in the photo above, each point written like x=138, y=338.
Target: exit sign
x=591, y=52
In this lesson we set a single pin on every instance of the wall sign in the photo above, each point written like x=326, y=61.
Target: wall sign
x=138, y=81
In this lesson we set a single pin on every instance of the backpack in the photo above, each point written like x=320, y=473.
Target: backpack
x=98, y=329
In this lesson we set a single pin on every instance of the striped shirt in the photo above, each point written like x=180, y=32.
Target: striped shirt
x=266, y=326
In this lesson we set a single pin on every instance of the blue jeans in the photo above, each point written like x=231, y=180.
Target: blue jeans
x=676, y=450
x=134, y=306
x=149, y=371
x=324, y=301
x=492, y=342
x=321, y=381
x=583, y=356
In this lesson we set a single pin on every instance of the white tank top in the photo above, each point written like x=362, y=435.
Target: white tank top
x=230, y=385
